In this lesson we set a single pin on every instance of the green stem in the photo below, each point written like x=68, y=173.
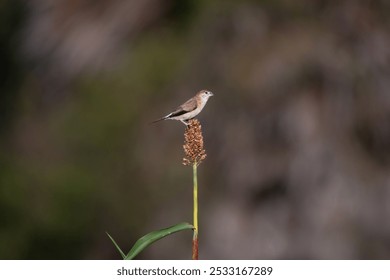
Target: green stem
x=195, y=211
x=195, y=197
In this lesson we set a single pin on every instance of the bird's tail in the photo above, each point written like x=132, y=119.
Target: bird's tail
x=161, y=119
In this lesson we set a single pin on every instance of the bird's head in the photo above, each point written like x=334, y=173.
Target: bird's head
x=205, y=94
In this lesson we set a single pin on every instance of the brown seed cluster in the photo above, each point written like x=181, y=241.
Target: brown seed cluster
x=193, y=144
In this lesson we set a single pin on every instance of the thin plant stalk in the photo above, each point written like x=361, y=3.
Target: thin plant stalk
x=195, y=241
x=194, y=168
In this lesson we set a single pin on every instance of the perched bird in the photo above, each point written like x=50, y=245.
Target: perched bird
x=190, y=108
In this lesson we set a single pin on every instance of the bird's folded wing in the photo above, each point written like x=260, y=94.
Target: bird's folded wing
x=188, y=106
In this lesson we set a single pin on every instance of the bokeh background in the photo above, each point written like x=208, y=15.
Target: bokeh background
x=297, y=134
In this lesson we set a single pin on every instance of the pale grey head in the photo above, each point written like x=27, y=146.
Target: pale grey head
x=205, y=94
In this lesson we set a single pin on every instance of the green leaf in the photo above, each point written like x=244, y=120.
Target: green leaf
x=152, y=237
x=116, y=245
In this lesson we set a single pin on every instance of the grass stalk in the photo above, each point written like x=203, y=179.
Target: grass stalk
x=195, y=240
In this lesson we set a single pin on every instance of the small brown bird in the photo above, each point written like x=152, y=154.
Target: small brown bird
x=190, y=108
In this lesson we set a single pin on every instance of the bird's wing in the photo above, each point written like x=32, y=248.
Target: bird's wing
x=186, y=107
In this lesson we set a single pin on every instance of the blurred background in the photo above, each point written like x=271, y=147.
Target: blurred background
x=297, y=134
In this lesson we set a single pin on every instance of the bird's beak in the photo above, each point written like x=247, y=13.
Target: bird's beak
x=211, y=94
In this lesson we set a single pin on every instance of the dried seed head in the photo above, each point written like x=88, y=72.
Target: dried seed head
x=193, y=144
